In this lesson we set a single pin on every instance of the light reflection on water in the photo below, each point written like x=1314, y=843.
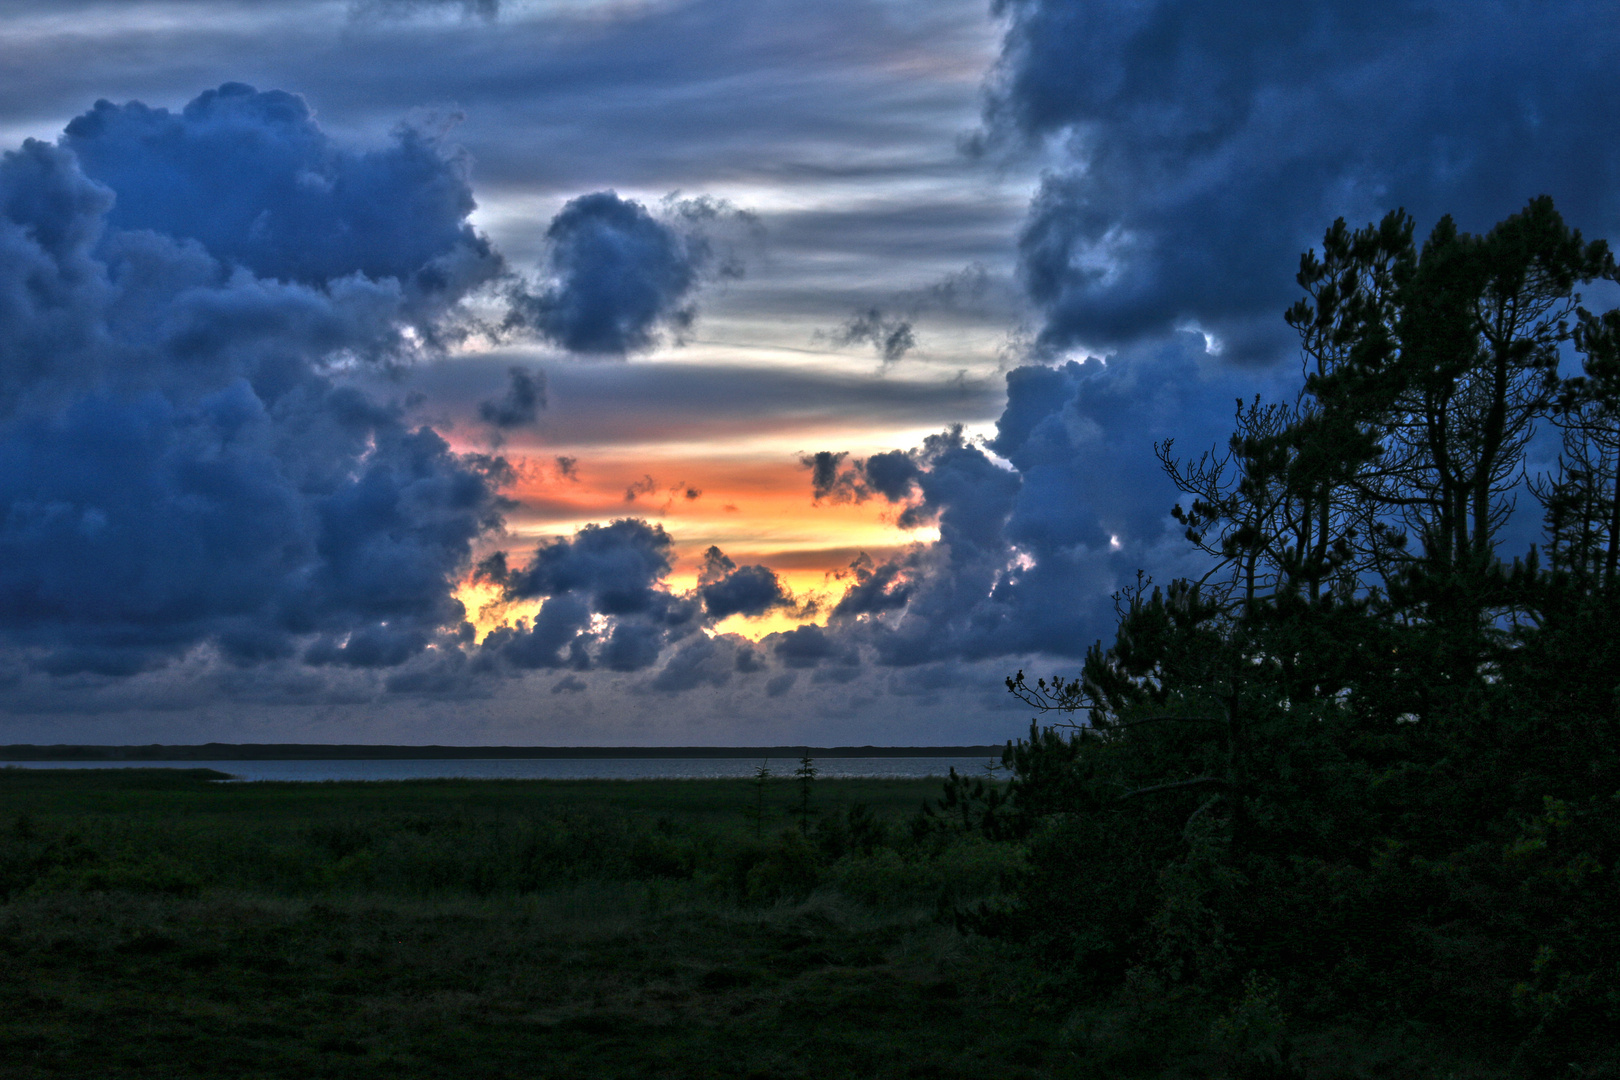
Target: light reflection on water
x=544, y=768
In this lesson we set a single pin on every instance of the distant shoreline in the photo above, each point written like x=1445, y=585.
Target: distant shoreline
x=365, y=752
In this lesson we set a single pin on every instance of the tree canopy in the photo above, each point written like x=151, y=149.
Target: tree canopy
x=1371, y=753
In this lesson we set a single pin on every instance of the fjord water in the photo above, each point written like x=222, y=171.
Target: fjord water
x=545, y=768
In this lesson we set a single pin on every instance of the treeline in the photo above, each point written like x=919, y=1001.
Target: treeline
x=1369, y=765
x=370, y=752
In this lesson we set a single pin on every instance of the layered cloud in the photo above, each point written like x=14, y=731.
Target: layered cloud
x=1202, y=147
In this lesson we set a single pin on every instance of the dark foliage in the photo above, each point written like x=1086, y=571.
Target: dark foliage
x=1366, y=757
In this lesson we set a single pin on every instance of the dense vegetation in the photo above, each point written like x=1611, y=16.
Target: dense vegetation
x=157, y=923
x=1369, y=766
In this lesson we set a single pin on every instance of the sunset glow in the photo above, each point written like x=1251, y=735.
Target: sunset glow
x=741, y=370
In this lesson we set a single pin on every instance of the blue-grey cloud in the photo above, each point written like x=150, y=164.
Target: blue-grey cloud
x=606, y=602
x=877, y=588
x=808, y=646
x=181, y=465
x=619, y=277
x=701, y=662
x=1032, y=546
x=615, y=404
x=253, y=178
x=728, y=589
x=891, y=335
x=1210, y=144
x=617, y=565
x=487, y=10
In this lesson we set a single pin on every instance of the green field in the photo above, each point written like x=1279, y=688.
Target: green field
x=157, y=923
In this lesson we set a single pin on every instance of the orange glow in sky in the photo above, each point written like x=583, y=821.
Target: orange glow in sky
x=756, y=508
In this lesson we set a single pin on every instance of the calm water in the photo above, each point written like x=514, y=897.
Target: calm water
x=541, y=768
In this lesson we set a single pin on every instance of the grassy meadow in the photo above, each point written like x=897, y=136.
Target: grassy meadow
x=157, y=923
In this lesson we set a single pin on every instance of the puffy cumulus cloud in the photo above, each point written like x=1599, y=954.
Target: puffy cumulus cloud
x=255, y=180
x=1207, y=145
x=607, y=605
x=618, y=566
x=606, y=602
x=875, y=588
x=727, y=589
x=184, y=472
x=620, y=276
x=1038, y=526
x=810, y=646
x=194, y=475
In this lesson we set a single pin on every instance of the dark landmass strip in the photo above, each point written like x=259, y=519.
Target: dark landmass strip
x=363, y=752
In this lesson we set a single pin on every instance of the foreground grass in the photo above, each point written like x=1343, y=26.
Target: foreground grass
x=589, y=984
x=155, y=923
x=162, y=924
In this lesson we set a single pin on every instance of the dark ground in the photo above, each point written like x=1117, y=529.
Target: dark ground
x=155, y=923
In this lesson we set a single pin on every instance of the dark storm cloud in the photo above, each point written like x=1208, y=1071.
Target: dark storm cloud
x=1210, y=144
x=255, y=180
x=1028, y=555
x=617, y=565
x=180, y=467
x=891, y=475
x=608, y=605
x=728, y=589
x=829, y=479
x=606, y=602
x=621, y=276
x=1037, y=528
x=807, y=647
x=877, y=588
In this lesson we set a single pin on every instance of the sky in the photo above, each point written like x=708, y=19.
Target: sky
x=681, y=372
